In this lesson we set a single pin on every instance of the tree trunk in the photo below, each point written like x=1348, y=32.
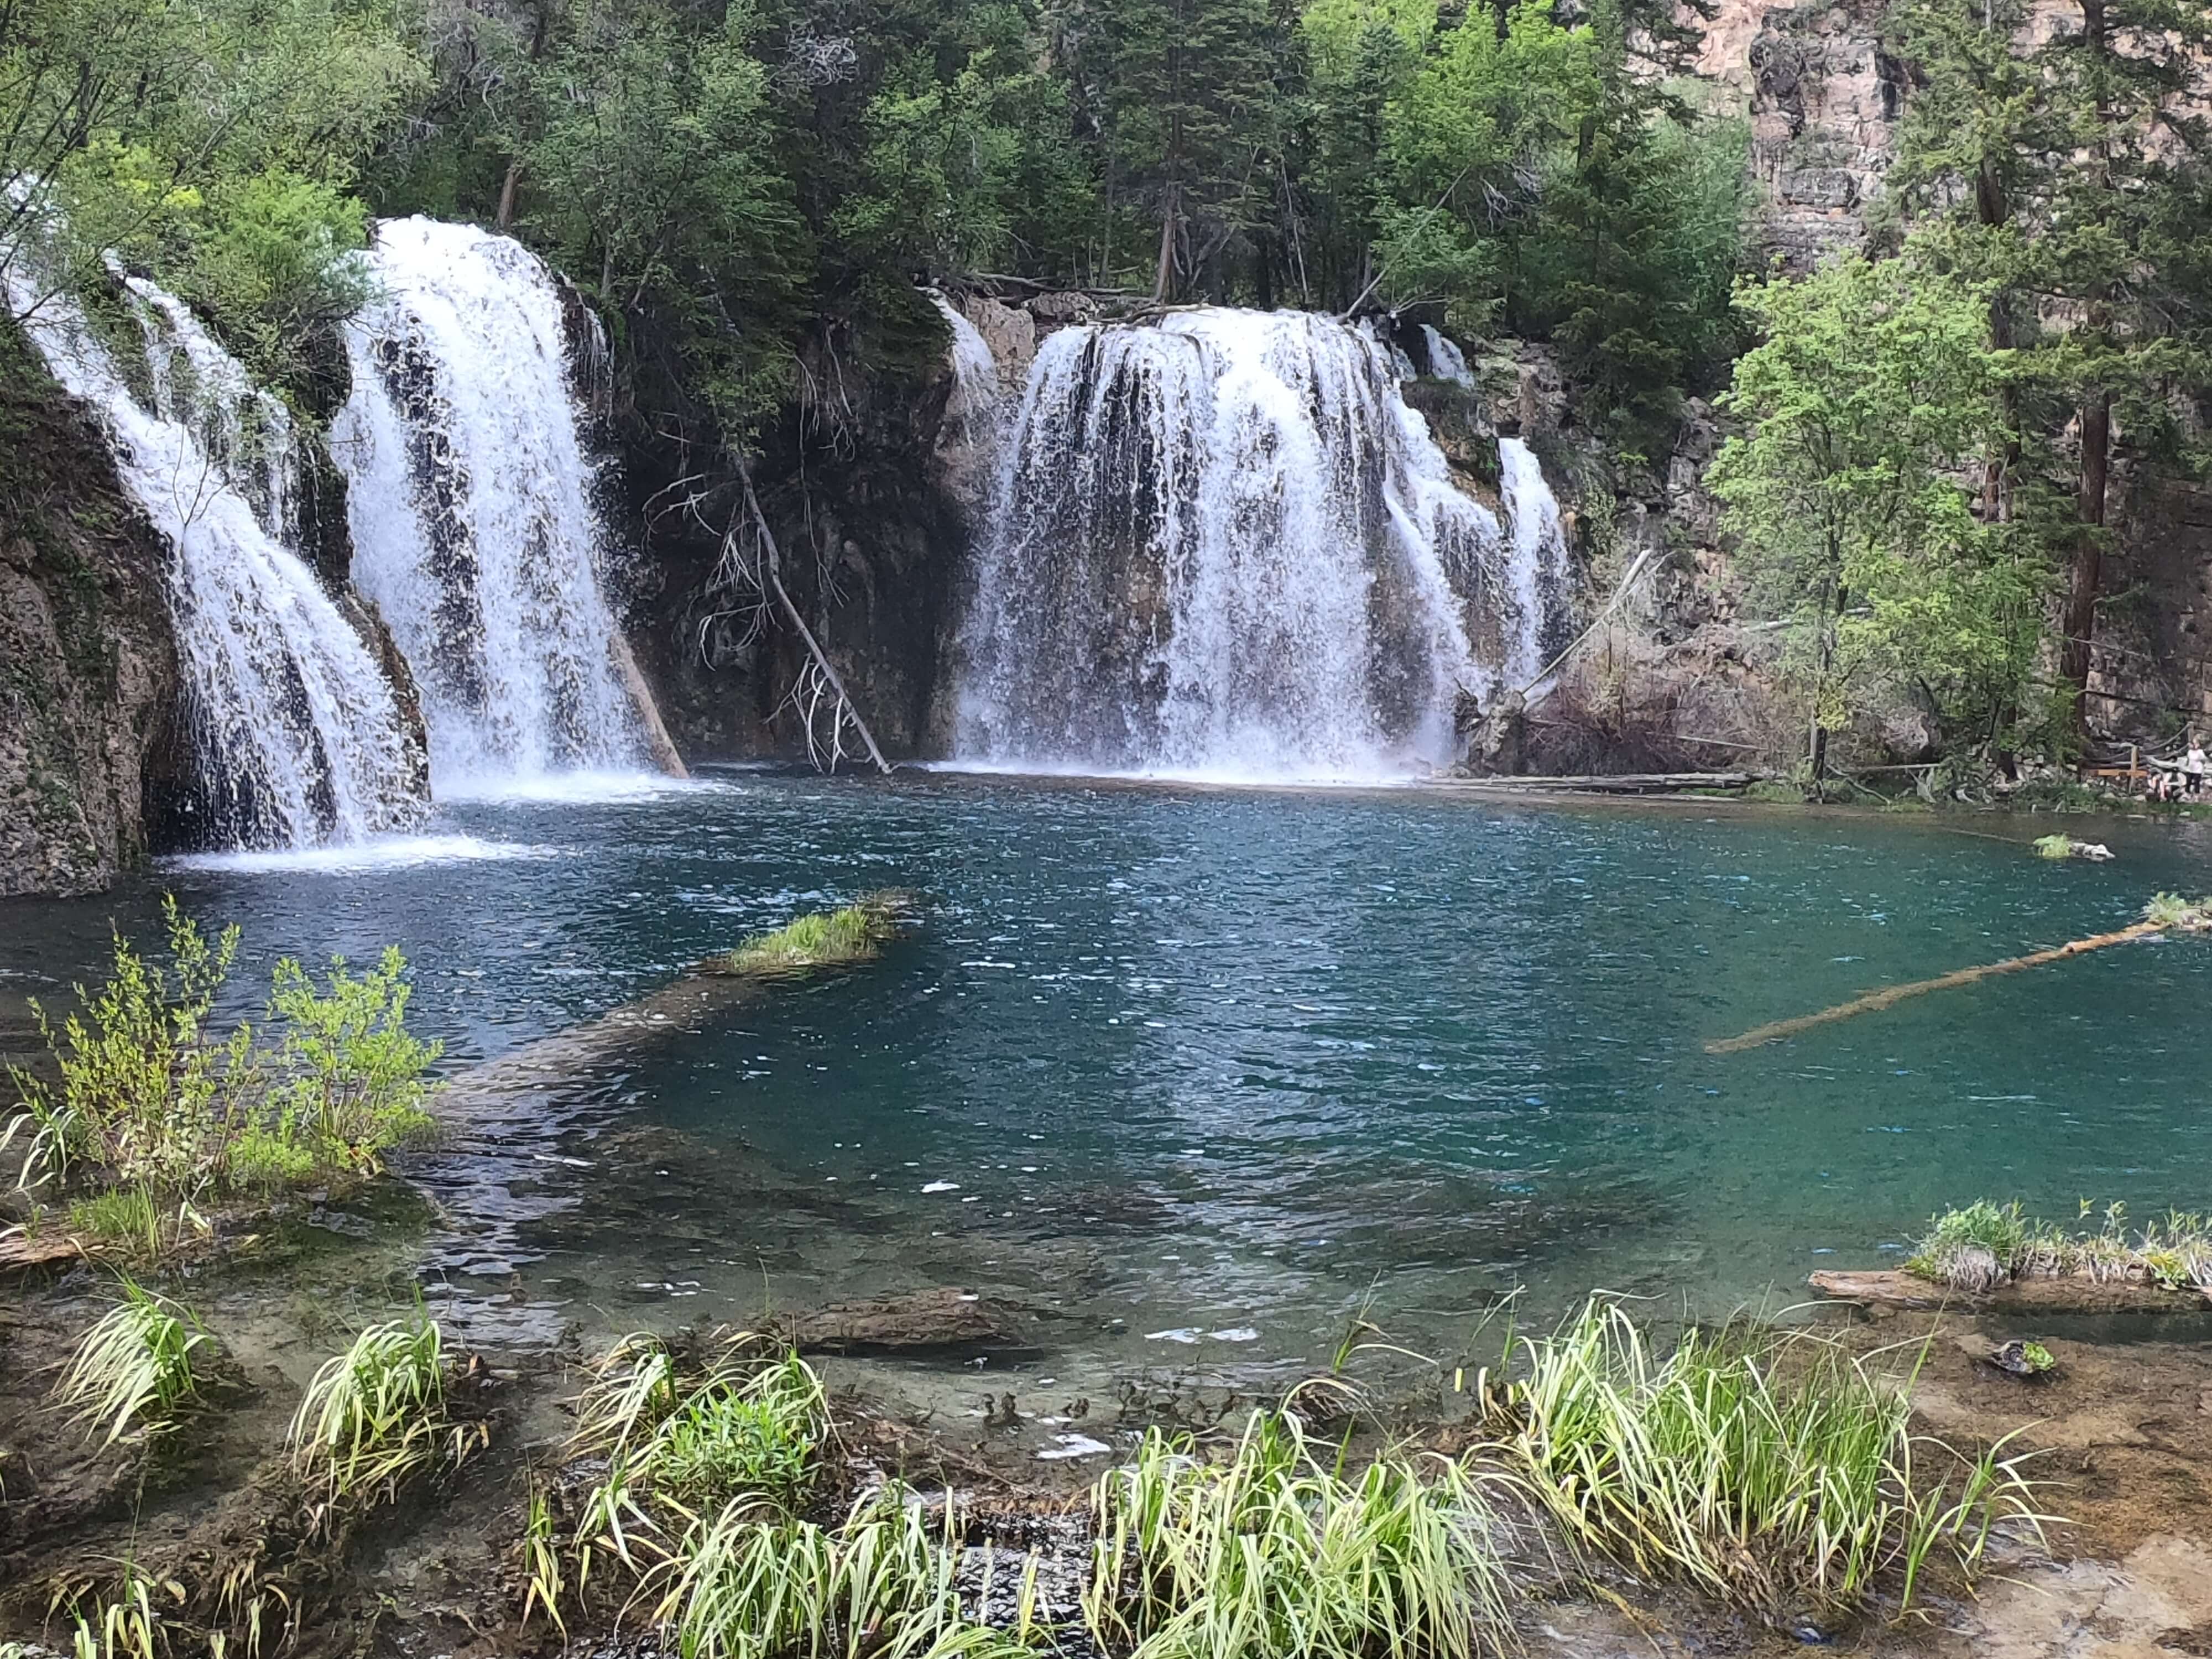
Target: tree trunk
x=1163, y=281
x=506, y=216
x=2087, y=571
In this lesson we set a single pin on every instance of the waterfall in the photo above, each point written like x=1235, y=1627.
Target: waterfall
x=298, y=734
x=1539, y=549
x=1446, y=361
x=973, y=409
x=471, y=498
x=1224, y=545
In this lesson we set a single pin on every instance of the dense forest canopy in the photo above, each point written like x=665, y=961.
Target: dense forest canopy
x=1921, y=480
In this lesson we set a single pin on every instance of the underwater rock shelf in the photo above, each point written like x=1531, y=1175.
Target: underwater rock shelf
x=1891, y=1288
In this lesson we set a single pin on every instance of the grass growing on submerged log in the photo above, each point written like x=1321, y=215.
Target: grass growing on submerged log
x=1985, y=1244
x=828, y=939
x=134, y=1365
x=1770, y=1470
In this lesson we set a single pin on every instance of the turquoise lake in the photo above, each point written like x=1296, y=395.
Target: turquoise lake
x=1198, y=1074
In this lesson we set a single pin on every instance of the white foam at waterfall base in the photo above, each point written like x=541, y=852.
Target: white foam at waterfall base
x=471, y=494
x=299, y=737
x=1222, y=546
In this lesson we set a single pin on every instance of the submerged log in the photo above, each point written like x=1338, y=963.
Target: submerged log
x=918, y=1321
x=1893, y=1288
x=1606, y=783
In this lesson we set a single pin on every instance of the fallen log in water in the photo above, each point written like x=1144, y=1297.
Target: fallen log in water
x=1896, y=1289
x=2163, y=914
x=918, y=1321
x=700, y=997
x=23, y=1252
x=1604, y=783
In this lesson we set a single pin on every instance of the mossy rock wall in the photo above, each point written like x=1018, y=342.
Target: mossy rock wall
x=87, y=660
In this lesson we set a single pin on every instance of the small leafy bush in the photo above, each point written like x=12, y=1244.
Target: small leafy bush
x=152, y=1099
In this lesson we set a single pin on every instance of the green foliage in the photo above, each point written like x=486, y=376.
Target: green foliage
x=133, y=1366
x=1986, y=1244
x=213, y=141
x=653, y=183
x=158, y=1105
x=1871, y=391
x=831, y=939
x=1769, y=1470
x=375, y=1416
x=1275, y=1551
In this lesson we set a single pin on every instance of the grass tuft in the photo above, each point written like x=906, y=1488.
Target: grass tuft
x=1774, y=1471
x=1985, y=1244
x=831, y=939
x=1271, y=1552
x=375, y=1416
x=133, y=1366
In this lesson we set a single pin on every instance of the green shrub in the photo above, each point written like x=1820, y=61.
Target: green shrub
x=153, y=1101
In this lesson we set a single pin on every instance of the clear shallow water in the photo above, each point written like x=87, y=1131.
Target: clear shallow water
x=1208, y=1061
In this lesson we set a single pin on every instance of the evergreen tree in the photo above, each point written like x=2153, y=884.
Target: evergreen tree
x=1187, y=108
x=2065, y=166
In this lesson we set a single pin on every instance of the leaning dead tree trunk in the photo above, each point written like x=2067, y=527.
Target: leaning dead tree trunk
x=820, y=694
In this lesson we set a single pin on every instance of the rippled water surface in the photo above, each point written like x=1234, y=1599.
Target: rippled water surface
x=1173, y=1063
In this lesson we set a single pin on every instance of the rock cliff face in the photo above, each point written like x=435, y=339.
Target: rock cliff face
x=1824, y=98
x=88, y=666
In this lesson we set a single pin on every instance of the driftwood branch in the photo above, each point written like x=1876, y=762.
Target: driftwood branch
x=821, y=682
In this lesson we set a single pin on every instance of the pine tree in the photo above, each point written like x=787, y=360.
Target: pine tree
x=2068, y=172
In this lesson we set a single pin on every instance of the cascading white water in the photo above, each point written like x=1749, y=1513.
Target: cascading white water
x=1446, y=361
x=1224, y=545
x=471, y=494
x=1540, y=549
x=973, y=409
x=300, y=734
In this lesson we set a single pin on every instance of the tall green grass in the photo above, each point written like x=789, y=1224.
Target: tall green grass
x=1271, y=1552
x=1774, y=1471
x=856, y=932
x=133, y=1366
x=374, y=1416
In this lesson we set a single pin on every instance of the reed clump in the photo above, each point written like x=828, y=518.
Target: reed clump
x=822, y=939
x=132, y=1371
x=705, y=1512
x=1979, y=1246
x=376, y=1416
x=1272, y=1551
x=1774, y=1471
